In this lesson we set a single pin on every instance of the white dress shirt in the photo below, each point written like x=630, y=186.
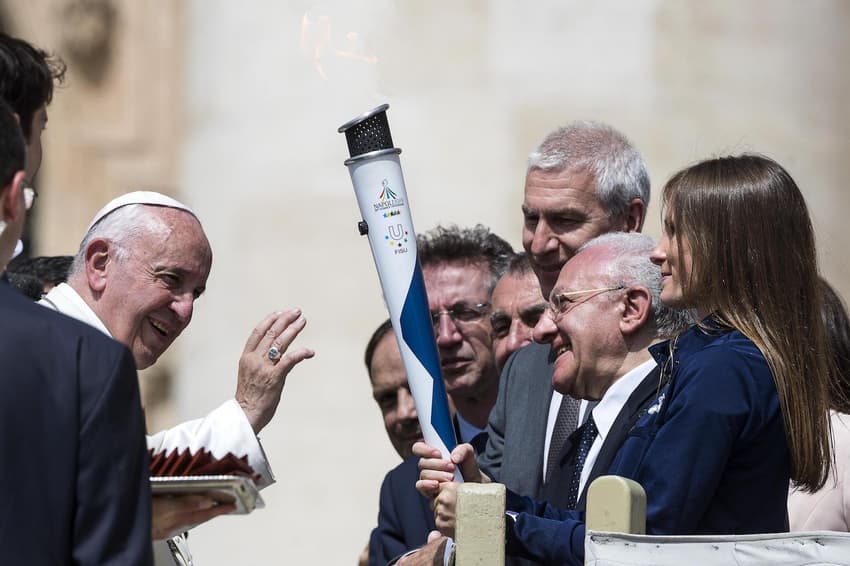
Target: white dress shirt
x=606, y=411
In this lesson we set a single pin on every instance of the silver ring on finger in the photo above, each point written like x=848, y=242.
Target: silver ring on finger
x=274, y=353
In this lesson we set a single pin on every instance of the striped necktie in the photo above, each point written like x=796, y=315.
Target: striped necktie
x=565, y=423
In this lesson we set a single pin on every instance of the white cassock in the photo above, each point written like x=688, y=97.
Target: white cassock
x=225, y=429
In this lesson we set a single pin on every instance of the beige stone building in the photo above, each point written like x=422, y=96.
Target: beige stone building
x=233, y=108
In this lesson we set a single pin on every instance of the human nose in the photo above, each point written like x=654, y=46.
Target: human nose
x=545, y=329
x=447, y=331
x=518, y=336
x=659, y=254
x=543, y=239
x=183, y=306
x=406, y=406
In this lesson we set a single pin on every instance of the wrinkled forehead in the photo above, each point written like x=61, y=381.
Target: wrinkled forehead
x=448, y=282
x=561, y=185
x=516, y=290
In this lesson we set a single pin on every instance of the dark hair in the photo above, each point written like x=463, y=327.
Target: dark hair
x=12, y=147
x=519, y=265
x=474, y=245
x=755, y=269
x=379, y=333
x=26, y=284
x=837, y=323
x=52, y=270
x=27, y=77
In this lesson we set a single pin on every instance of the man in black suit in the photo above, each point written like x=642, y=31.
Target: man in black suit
x=74, y=478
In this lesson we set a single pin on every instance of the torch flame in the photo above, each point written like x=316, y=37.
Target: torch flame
x=317, y=43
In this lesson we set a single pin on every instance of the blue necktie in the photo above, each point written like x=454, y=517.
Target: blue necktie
x=588, y=435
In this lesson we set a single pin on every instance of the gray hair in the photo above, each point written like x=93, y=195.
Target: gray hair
x=631, y=266
x=616, y=165
x=478, y=244
x=121, y=227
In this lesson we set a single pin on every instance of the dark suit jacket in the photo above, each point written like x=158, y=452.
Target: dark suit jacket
x=404, y=518
x=74, y=476
x=557, y=490
x=517, y=424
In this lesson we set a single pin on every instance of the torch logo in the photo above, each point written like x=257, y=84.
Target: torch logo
x=386, y=192
x=387, y=199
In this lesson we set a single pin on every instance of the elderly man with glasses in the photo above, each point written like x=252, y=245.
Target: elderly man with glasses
x=461, y=267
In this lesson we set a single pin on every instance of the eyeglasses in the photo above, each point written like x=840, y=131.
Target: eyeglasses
x=561, y=303
x=461, y=314
x=30, y=195
x=501, y=321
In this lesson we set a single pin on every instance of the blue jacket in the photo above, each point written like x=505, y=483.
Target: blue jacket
x=711, y=453
x=405, y=517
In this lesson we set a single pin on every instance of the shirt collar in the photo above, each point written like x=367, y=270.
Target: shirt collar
x=605, y=413
x=467, y=430
x=65, y=299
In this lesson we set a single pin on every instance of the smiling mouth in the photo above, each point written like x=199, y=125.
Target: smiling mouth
x=556, y=353
x=159, y=327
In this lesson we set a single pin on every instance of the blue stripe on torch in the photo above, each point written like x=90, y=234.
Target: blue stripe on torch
x=418, y=334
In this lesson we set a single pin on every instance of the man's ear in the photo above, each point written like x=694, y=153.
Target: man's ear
x=10, y=198
x=99, y=256
x=637, y=305
x=635, y=215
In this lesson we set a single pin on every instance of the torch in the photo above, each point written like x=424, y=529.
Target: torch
x=375, y=171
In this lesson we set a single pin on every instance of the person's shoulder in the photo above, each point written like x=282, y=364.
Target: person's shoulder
x=730, y=359
x=727, y=347
x=27, y=319
x=531, y=356
x=403, y=476
x=409, y=466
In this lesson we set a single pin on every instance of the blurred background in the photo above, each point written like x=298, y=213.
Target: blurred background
x=233, y=108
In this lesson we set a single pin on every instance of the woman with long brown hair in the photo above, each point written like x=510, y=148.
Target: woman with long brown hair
x=738, y=247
